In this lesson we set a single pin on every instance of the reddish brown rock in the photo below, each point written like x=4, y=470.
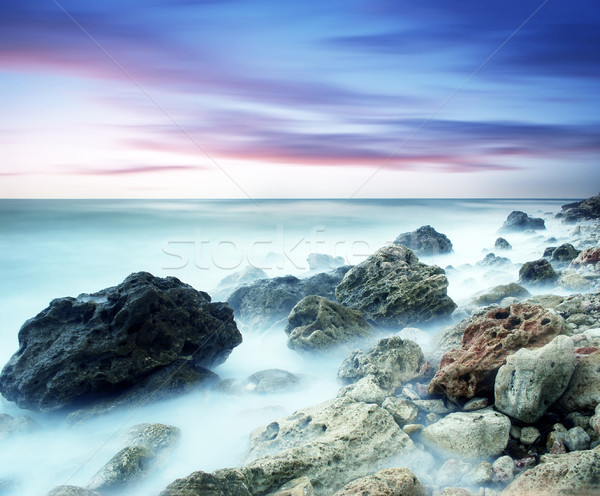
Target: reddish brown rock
x=487, y=342
x=587, y=257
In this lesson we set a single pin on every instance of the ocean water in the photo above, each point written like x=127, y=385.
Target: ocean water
x=54, y=248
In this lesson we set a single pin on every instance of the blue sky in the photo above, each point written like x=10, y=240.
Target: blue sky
x=260, y=98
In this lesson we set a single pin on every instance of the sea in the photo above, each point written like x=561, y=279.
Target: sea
x=56, y=248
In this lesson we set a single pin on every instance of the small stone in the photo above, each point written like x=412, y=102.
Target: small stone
x=413, y=428
x=576, y=439
x=475, y=404
x=558, y=448
x=404, y=411
x=432, y=406
x=525, y=463
x=529, y=435
x=515, y=432
x=504, y=469
x=365, y=389
x=452, y=471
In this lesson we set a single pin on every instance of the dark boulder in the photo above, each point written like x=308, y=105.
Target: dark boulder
x=520, y=221
x=82, y=350
x=425, y=241
x=582, y=210
x=548, y=251
x=263, y=303
x=502, y=244
x=565, y=253
x=537, y=273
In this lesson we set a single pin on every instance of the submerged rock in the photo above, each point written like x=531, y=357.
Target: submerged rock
x=81, y=350
x=537, y=273
x=392, y=288
x=272, y=381
x=392, y=361
x=316, y=323
x=582, y=210
x=473, y=435
x=265, y=302
x=486, y=343
x=425, y=241
x=532, y=380
x=520, y=221
x=387, y=482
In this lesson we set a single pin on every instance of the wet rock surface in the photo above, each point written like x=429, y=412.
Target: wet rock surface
x=582, y=210
x=392, y=288
x=537, y=273
x=81, y=350
x=425, y=241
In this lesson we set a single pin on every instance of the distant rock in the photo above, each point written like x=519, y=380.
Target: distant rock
x=532, y=380
x=582, y=210
x=323, y=262
x=425, y=241
x=498, y=293
x=502, y=244
x=537, y=273
x=392, y=288
x=392, y=361
x=473, y=435
x=316, y=324
x=486, y=343
x=263, y=303
x=520, y=221
x=387, y=482
x=492, y=260
x=233, y=281
x=82, y=350
x=71, y=491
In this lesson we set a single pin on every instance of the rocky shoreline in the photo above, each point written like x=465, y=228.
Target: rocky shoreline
x=505, y=403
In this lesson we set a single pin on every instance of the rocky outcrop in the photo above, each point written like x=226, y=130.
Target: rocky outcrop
x=582, y=210
x=576, y=473
x=392, y=288
x=316, y=323
x=425, y=241
x=80, y=350
x=520, y=221
x=472, y=435
x=486, y=343
x=532, y=380
x=387, y=482
x=236, y=279
x=392, y=361
x=502, y=244
x=265, y=302
x=583, y=392
x=537, y=273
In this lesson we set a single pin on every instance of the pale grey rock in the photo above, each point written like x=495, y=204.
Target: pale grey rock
x=503, y=470
x=572, y=281
x=529, y=435
x=295, y=487
x=403, y=410
x=583, y=392
x=481, y=473
x=576, y=439
x=366, y=389
x=387, y=482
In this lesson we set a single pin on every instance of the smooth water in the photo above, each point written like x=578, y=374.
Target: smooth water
x=54, y=248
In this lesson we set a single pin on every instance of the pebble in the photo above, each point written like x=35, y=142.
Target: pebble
x=529, y=435
x=577, y=439
x=475, y=404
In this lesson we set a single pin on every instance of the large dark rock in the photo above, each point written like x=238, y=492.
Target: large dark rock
x=520, y=221
x=392, y=288
x=85, y=349
x=317, y=323
x=565, y=253
x=537, y=273
x=502, y=244
x=425, y=241
x=263, y=303
x=582, y=210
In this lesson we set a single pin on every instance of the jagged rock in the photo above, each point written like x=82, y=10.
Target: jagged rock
x=537, y=273
x=473, y=435
x=295, y=487
x=486, y=343
x=366, y=390
x=321, y=261
x=236, y=279
x=148, y=445
x=403, y=410
x=81, y=350
x=583, y=392
x=272, y=381
x=316, y=323
x=392, y=288
x=582, y=210
x=265, y=302
x=425, y=241
x=226, y=482
x=392, y=361
x=520, y=221
x=71, y=491
x=387, y=482
x=576, y=473
x=590, y=256
x=565, y=253
x=502, y=244
x=498, y=293
x=532, y=380
x=331, y=444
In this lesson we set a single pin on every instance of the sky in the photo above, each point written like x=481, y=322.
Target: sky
x=271, y=99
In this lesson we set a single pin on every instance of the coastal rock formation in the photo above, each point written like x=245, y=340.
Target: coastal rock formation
x=576, y=473
x=520, y=221
x=537, y=273
x=236, y=279
x=425, y=241
x=532, y=380
x=265, y=302
x=473, y=435
x=582, y=210
x=392, y=288
x=316, y=323
x=486, y=343
x=502, y=244
x=80, y=350
x=392, y=361
x=387, y=482
x=583, y=392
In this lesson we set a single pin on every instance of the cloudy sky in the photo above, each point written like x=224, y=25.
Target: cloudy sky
x=261, y=98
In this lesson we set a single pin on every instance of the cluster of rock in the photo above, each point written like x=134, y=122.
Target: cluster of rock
x=582, y=210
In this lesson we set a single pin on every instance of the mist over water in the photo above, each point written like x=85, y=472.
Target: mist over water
x=51, y=249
